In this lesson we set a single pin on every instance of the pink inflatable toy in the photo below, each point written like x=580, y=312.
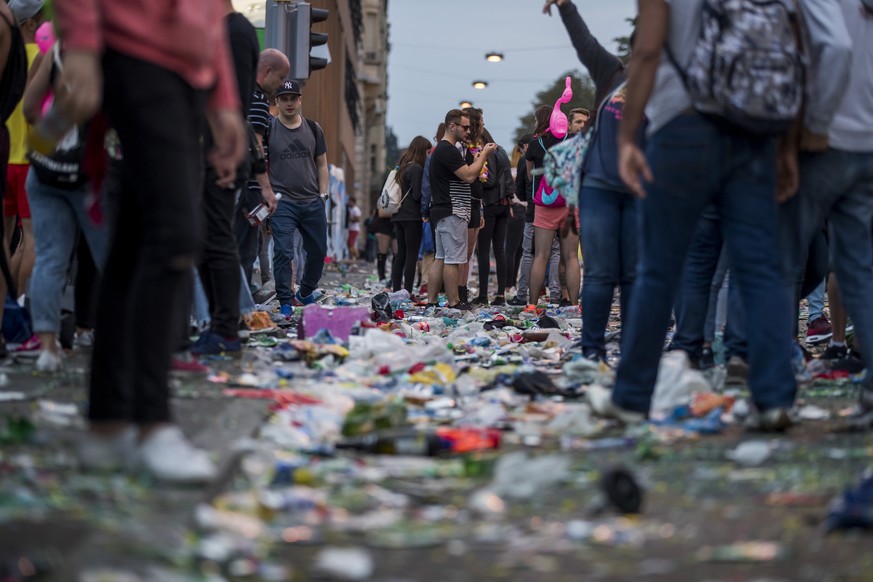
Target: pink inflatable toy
x=45, y=39
x=558, y=122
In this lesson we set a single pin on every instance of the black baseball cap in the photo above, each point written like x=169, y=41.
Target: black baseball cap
x=289, y=87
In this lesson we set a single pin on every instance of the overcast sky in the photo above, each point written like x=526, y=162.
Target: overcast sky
x=439, y=46
x=438, y=49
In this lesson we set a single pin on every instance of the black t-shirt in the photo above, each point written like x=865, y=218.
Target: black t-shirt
x=522, y=188
x=449, y=194
x=410, y=208
x=245, y=50
x=259, y=118
x=535, y=152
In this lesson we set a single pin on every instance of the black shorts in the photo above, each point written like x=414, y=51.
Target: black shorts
x=475, y=215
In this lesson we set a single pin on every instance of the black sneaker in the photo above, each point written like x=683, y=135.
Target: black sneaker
x=834, y=353
x=852, y=363
x=499, y=300
x=707, y=359
x=564, y=303
x=480, y=300
x=517, y=302
x=460, y=306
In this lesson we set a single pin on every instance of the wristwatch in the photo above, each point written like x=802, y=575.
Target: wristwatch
x=324, y=196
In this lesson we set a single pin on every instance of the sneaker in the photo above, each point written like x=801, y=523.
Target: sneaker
x=480, y=300
x=310, y=299
x=833, y=353
x=461, y=306
x=601, y=403
x=48, y=362
x=29, y=349
x=851, y=363
x=517, y=301
x=107, y=453
x=773, y=420
x=737, y=372
x=819, y=330
x=185, y=363
x=84, y=340
x=210, y=343
x=423, y=290
x=564, y=303
x=498, y=300
x=168, y=455
x=266, y=293
x=707, y=359
x=287, y=311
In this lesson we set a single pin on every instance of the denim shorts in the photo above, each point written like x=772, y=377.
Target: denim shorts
x=451, y=240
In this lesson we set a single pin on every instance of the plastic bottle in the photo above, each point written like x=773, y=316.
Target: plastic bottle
x=402, y=295
x=48, y=132
x=406, y=442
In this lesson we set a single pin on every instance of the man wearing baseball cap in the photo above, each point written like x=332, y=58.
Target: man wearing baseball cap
x=29, y=16
x=298, y=171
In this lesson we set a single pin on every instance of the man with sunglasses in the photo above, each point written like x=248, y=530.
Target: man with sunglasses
x=450, y=179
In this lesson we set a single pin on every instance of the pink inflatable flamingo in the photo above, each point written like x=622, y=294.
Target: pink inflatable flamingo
x=45, y=39
x=558, y=122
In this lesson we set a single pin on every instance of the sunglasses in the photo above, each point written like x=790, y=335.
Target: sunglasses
x=464, y=127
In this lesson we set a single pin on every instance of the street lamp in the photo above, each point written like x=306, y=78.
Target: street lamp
x=465, y=104
x=494, y=57
x=480, y=84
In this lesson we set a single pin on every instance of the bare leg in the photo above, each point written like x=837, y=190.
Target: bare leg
x=21, y=264
x=434, y=280
x=570, y=259
x=543, y=238
x=839, y=317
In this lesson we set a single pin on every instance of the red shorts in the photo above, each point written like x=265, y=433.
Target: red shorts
x=353, y=238
x=15, y=201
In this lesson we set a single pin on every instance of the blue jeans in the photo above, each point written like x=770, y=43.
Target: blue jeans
x=816, y=302
x=838, y=187
x=695, y=303
x=309, y=219
x=608, y=230
x=527, y=260
x=696, y=164
x=200, y=309
x=58, y=215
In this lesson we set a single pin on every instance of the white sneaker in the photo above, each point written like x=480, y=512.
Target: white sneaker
x=601, y=403
x=84, y=340
x=107, y=453
x=168, y=455
x=48, y=362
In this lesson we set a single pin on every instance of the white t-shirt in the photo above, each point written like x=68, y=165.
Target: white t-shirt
x=355, y=212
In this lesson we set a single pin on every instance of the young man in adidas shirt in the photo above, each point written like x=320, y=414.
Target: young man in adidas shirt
x=691, y=163
x=298, y=171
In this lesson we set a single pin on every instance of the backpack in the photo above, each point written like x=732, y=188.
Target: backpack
x=563, y=164
x=543, y=193
x=392, y=196
x=747, y=70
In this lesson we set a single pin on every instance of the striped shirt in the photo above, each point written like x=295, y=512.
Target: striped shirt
x=450, y=195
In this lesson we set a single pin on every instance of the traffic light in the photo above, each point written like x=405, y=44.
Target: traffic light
x=288, y=28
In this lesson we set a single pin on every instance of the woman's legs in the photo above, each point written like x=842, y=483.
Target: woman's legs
x=543, y=238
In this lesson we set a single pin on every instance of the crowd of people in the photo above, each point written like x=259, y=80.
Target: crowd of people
x=155, y=190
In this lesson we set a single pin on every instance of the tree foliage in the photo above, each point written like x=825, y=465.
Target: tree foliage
x=583, y=96
x=624, y=43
